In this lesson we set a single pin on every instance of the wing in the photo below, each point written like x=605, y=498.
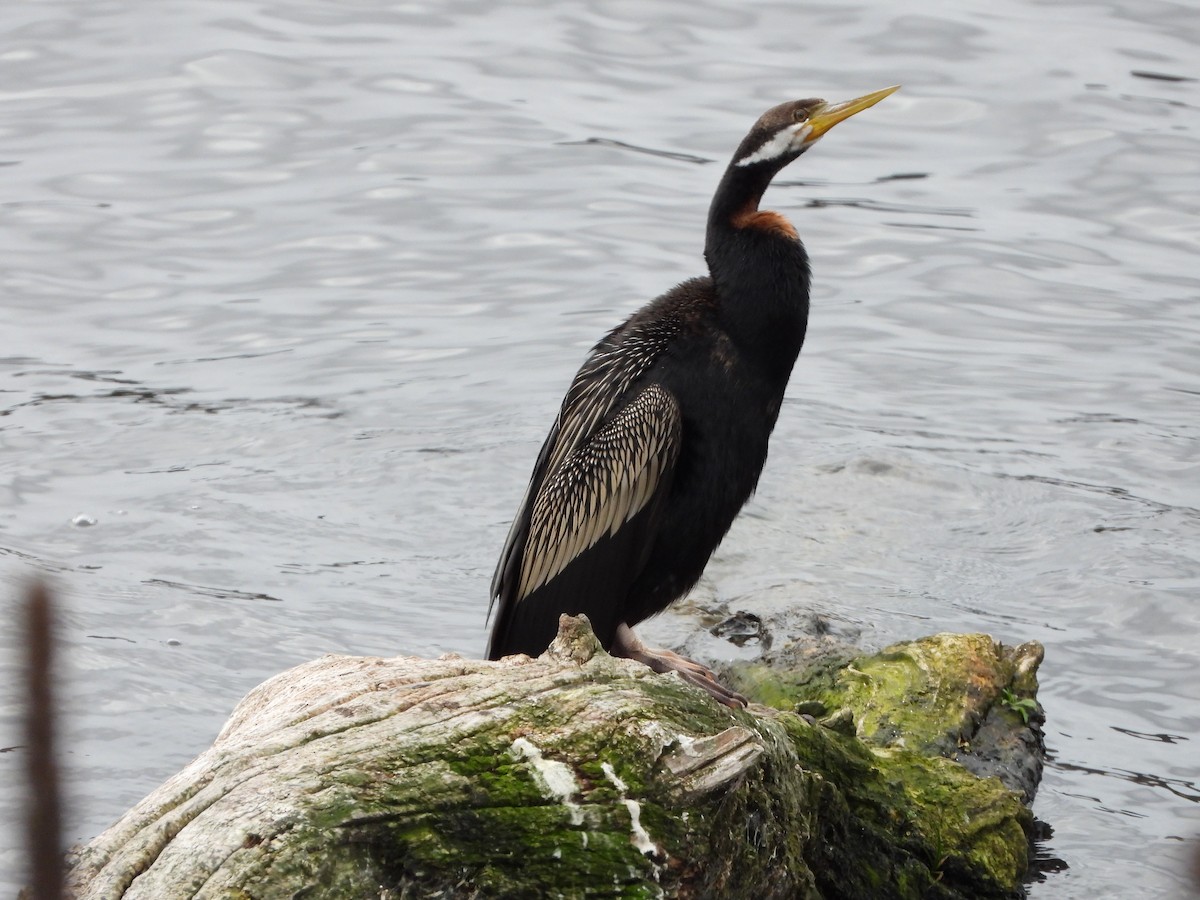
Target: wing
x=600, y=387
x=583, y=532
x=602, y=484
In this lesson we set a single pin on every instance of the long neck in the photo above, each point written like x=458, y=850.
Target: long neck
x=759, y=268
x=737, y=197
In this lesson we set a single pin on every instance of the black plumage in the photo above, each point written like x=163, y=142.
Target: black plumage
x=663, y=433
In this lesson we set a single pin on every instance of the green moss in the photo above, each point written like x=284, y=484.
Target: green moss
x=782, y=688
x=535, y=845
x=924, y=695
x=976, y=827
x=894, y=823
x=928, y=695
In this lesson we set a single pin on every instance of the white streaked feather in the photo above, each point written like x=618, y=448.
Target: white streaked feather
x=604, y=483
x=601, y=385
x=629, y=491
x=639, y=495
x=531, y=573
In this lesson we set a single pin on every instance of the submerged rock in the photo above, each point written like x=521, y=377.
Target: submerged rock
x=579, y=775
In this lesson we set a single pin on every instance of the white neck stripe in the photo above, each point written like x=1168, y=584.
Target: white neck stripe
x=785, y=140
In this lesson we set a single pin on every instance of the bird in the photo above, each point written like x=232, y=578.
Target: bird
x=663, y=432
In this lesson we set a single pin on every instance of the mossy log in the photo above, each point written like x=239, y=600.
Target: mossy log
x=579, y=775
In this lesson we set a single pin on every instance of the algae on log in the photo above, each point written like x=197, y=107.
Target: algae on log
x=960, y=696
x=572, y=775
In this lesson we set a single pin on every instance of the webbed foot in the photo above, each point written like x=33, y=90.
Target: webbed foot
x=628, y=645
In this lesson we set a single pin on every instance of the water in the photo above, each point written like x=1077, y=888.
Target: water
x=292, y=290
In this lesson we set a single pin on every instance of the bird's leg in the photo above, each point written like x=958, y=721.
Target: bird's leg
x=628, y=645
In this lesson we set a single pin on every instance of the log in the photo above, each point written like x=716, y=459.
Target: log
x=579, y=775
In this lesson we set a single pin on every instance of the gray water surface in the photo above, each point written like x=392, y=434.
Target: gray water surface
x=291, y=291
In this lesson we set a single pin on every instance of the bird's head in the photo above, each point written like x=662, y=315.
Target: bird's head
x=785, y=131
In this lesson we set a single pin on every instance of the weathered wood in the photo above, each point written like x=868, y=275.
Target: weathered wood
x=574, y=775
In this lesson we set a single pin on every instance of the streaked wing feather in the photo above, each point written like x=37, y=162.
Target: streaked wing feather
x=602, y=484
x=600, y=386
x=575, y=552
x=584, y=559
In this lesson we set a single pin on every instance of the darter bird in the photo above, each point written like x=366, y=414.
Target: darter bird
x=663, y=434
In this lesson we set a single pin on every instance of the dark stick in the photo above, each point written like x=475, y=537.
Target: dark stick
x=44, y=818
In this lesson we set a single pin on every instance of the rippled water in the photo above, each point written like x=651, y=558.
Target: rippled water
x=292, y=290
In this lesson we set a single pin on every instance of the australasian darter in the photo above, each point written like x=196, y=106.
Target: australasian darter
x=663, y=433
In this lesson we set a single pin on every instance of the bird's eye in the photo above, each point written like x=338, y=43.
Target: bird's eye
x=800, y=114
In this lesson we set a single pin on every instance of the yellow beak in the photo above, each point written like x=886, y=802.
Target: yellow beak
x=832, y=113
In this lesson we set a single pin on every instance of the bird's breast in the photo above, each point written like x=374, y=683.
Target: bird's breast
x=728, y=407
